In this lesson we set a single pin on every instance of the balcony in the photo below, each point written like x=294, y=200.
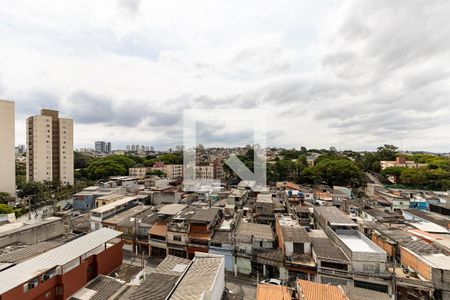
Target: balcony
x=334, y=272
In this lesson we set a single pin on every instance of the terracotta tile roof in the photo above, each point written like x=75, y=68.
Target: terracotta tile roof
x=317, y=291
x=272, y=292
x=199, y=236
x=159, y=228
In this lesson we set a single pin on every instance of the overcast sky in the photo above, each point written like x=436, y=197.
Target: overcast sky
x=349, y=74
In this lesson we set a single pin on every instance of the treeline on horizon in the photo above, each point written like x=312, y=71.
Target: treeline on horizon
x=344, y=168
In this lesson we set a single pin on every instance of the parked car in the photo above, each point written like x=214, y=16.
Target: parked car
x=274, y=281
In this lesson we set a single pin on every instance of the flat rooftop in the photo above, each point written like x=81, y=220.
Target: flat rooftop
x=171, y=209
x=334, y=216
x=264, y=198
x=17, y=226
x=127, y=214
x=357, y=242
x=114, y=204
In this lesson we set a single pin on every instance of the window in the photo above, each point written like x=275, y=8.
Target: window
x=30, y=284
x=299, y=248
x=177, y=238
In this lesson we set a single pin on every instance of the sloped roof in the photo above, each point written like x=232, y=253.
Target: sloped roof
x=199, y=278
x=355, y=293
x=261, y=231
x=159, y=228
x=272, y=292
x=326, y=249
x=317, y=291
x=59, y=256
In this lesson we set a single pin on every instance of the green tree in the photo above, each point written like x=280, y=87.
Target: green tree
x=171, y=158
x=339, y=171
x=387, y=152
x=37, y=192
x=5, y=209
x=81, y=160
x=4, y=197
x=309, y=175
x=157, y=173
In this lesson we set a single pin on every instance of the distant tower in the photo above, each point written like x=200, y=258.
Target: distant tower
x=108, y=147
x=100, y=146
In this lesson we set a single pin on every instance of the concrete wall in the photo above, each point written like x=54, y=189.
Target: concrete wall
x=413, y=261
x=229, y=258
x=218, y=284
x=7, y=148
x=387, y=247
x=30, y=234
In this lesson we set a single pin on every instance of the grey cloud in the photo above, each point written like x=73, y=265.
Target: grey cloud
x=130, y=7
x=87, y=108
x=31, y=102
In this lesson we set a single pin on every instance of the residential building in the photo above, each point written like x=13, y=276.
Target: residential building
x=295, y=243
x=332, y=217
x=98, y=215
x=333, y=266
x=307, y=290
x=401, y=161
x=86, y=199
x=178, y=232
x=7, y=149
x=107, y=199
x=50, y=148
x=222, y=243
x=157, y=239
x=138, y=172
x=162, y=280
x=368, y=261
x=100, y=147
x=62, y=271
x=20, y=149
x=201, y=228
x=127, y=223
x=251, y=236
x=17, y=232
x=204, y=278
x=173, y=171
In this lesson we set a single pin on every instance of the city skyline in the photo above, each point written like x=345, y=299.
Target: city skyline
x=350, y=74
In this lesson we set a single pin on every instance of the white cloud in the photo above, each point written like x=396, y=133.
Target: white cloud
x=353, y=74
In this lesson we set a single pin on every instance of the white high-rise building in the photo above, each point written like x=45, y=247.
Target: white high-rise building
x=7, y=147
x=50, y=148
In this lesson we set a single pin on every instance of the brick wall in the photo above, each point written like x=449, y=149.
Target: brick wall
x=410, y=259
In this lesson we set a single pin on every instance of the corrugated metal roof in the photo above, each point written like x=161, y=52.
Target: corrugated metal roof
x=199, y=278
x=31, y=268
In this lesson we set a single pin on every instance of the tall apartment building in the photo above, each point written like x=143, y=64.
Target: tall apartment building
x=103, y=147
x=7, y=149
x=100, y=146
x=50, y=148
